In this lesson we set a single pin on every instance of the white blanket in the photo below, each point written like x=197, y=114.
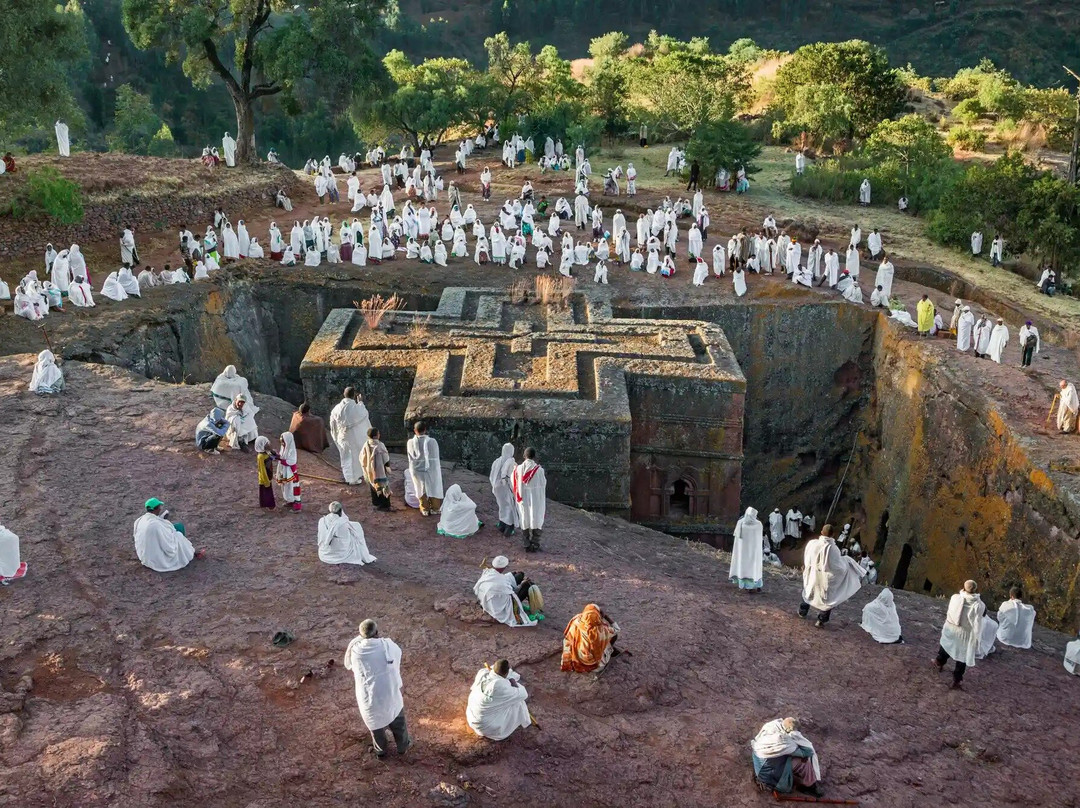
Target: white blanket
x=458, y=518
x=879, y=618
x=160, y=546
x=497, y=705
x=495, y=591
x=341, y=541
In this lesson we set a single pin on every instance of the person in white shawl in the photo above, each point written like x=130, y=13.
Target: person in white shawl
x=242, y=429
x=375, y=663
x=425, y=469
x=1072, y=657
x=160, y=544
x=63, y=139
x=128, y=281
x=60, y=272
x=884, y=276
x=47, y=377
x=747, y=552
x=961, y=632
x=999, y=338
x=1015, y=621
x=499, y=477
x=864, y=192
x=829, y=578
x=227, y=386
x=499, y=594
x=349, y=425
x=80, y=294
x=341, y=541
x=497, y=702
x=440, y=254
x=880, y=619
x=458, y=516
x=784, y=759
x=964, y=327
x=529, y=484
x=12, y=566
x=228, y=146
x=738, y=280
x=701, y=272
x=112, y=288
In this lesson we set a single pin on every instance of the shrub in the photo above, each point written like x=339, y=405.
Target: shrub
x=967, y=138
x=968, y=111
x=47, y=194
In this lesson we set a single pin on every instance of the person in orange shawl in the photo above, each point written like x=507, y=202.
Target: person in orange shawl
x=589, y=641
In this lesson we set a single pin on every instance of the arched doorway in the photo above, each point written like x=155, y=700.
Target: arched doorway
x=680, y=498
x=900, y=577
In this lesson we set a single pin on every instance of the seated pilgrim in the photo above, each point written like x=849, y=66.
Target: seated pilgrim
x=1072, y=657
x=497, y=702
x=1015, y=621
x=242, y=429
x=589, y=641
x=309, y=430
x=509, y=597
x=784, y=760
x=47, y=377
x=341, y=541
x=211, y=430
x=880, y=619
x=12, y=567
x=458, y=518
x=160, y=544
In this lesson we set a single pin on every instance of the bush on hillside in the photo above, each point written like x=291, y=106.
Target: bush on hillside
x=967, y=138
x=968, y=111
x=46, y=193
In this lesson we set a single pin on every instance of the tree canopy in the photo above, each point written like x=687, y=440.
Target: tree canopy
x=723, y=144
x=261, y=48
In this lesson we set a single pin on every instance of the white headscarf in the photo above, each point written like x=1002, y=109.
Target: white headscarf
x=288, y=448
x=503, y=466
x=879, y=618
x=458, y=518
x=47, y=377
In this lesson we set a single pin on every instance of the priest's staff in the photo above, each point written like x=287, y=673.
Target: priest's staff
x=805, y=798
x=1054, y=403
x=839, y=488
x=49, y=343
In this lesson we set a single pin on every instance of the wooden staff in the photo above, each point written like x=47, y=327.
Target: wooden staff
x=1054, y=403
x=324, y=479
x=46, y=334
x=805, y=798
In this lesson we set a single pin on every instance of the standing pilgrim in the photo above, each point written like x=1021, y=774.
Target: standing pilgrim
x=349, y=425
x=747, y=553
x=63, y=139
x=425, y=469
x=999, y=338
x=502, y=470
x=976, y=243
x=864, y=192
x=829, y=578
x=529, y=484
x=960, y=634
x=129, y=254
x=1029, y=343
x=884, y=277
x=965, y=325
x=1068, y=407
x=376, y=666
x=228, y=145
x=288, y=475
x=776, y=528
x=375, y=461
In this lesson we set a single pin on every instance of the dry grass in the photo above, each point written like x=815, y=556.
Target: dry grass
x=374, y=309
x=555, y=290
x=518, y=292
x=419, y=330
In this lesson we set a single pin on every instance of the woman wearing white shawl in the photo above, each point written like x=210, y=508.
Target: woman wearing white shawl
x=701, y=272
x=359, y=255
x=296, y=239
x=60, y=272
x=200, y=272
x=50, y=256
x=47, y=378
x=230, y=244
x=458, y=519
x=738, y=279
x=29, y=305
x=440, y=253
x=497, y=702
x=784, y=759
x=499, y=477
x=227, y=386
x=459, y=248
x=851, y=261
x=77, y=262
x=63, y=139
x=341, y=541
x=242, y=238
x=80, y=294
x=988, y=629
x=880, y=619
x=747, y=552
x=112, y=288
x=255, y=249
x=127, y=280
x=480, y=252
x=962, y=630
x=288, y=258
x=447, y=231
x=884, y=276
x=719, y=260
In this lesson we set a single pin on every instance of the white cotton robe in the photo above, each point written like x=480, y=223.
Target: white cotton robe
x=349, y=425
x=496, y=705
x=747, y=552
x=964, y=327
x=999, y=338
x=960, y=634
x=880, y=619
x=1015, y=621
x=63, y=139
x=46, y=377
x=529, y=484
x=341, y=541
x=10, y=560
x=499, y=477
x=884, y=278
x=424, y=466
x=376, y=666
x=458, y=514
x=829, y=578
x=160, y=546
x=496, y=592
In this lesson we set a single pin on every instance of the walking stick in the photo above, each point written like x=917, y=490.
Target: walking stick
x=805, y=798
x=1054, y=403
x=324, y=479
x=49, y=343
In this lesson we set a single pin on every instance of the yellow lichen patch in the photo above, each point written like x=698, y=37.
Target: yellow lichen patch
x=1041, y=480
x=996, y=423
x=215, y=302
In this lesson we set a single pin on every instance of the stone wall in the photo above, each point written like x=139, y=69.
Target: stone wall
x=949, y=491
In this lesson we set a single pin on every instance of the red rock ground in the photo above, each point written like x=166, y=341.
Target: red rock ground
x=164, y=690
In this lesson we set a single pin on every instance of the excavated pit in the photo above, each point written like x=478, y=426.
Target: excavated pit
x=940, y=488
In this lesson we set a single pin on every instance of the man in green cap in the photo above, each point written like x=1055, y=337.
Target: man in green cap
x=160, y=544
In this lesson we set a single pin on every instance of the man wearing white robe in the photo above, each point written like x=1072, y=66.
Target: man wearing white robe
x=127, y=248
x=981, y=336
x=884, y=276
x=160, y=544
x=1068, y=407
x=964, y=328
x=497, y=700
x=793, y=524
x=815, y=260
x=1030, y=343
x=376, y=666
x=529, y=484
x=747, y=553
x=997, y=250
x=63, y=139
x=701, y=272
x=999, y=338
x=873, y=243
x=1015, y=621
x=228, y=147
x=776, y=528
x=497, y=591
x=832, y=268
x=829, y=578
x=864, y=192
x=880, y=619
x=960, y=634
x=341, y=541
x=80, y=294
x=851, y=261
x=425, y=469
x=349, y=425
x=976, y=243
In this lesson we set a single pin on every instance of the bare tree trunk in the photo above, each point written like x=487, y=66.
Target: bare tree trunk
x=245, y=132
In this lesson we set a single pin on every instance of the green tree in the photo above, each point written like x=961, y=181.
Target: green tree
x=909, y=143
x=822, y=111
x=858, y=69
x=262, y=48
x=427, y=99
x=723, y=144
x=607, y=81
x=40, y=43
x=1050, y=215
x=135, y=124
